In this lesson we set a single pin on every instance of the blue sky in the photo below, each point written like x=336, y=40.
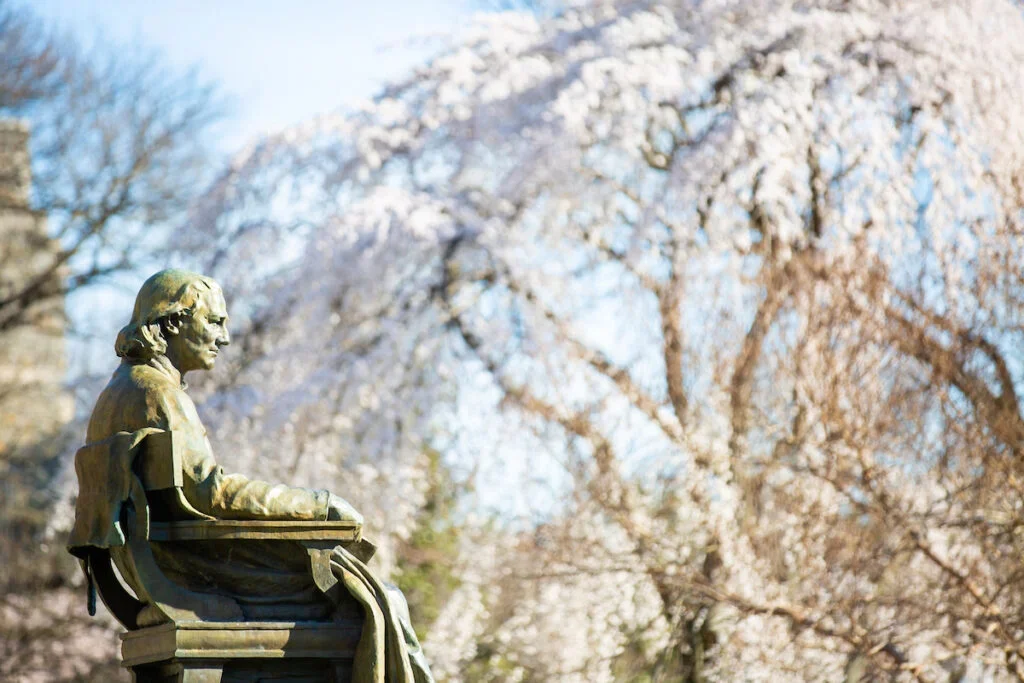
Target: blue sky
x=279, y=62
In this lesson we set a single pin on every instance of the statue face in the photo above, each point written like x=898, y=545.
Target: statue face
x=199, y=337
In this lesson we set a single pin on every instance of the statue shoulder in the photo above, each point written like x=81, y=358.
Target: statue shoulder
x=138, y=383
x=137, y=396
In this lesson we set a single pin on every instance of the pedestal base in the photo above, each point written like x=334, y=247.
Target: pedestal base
x=241, y=652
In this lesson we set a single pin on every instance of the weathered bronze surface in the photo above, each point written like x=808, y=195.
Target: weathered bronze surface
x=233, y=578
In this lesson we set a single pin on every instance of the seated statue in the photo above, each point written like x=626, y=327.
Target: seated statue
x=179, y=324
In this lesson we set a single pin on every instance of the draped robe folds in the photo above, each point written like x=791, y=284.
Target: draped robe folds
x=151, y=396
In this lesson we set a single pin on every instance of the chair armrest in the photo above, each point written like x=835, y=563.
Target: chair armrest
x=216, y=530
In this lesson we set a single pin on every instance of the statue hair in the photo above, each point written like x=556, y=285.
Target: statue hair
x=144, y=338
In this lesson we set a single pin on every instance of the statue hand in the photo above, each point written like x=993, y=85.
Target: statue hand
x=340, y=510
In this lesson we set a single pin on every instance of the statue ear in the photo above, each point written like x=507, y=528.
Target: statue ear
x=171, y=324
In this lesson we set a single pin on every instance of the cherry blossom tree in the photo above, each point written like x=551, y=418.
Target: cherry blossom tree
x=716, y=303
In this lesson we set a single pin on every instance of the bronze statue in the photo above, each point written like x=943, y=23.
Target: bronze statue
x=179, y=325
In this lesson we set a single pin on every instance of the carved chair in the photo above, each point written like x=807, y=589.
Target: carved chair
x=184, y=624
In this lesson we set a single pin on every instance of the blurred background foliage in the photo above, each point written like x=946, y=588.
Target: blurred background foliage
x=656, y=341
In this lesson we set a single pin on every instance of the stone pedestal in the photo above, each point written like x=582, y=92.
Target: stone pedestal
x=241, y=652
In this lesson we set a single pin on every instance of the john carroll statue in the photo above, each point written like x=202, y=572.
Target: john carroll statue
x=179, y=325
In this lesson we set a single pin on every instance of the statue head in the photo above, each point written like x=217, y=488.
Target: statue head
x=179, y=315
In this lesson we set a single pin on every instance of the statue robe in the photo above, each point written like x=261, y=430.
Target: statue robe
x=146, y=395
x=151, y=395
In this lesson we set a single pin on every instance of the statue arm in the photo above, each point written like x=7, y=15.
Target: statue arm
x=235, y=496
x=214, y=492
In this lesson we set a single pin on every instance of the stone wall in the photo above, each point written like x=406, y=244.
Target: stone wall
x=33, y=402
